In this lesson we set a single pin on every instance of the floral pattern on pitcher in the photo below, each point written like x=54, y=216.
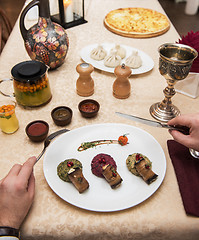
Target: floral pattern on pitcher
x=47, y=42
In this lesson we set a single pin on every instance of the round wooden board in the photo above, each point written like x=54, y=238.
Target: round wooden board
x=134, y=34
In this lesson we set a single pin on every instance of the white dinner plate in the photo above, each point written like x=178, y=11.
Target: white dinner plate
x=147, y=61
x=100, y=196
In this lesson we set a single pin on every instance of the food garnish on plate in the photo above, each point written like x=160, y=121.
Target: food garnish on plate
x=70, y=170
x=122, y=140
x=104, y=166
x=140, y=165
x=87, y=145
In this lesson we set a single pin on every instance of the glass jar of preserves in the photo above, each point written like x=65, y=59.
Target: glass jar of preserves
x=31, y=84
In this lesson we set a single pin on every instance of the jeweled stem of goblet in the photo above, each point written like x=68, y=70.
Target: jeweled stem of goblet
x=169, y=92
x=165, y=110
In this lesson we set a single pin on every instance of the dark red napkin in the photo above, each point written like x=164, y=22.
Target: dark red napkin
x=187, y=172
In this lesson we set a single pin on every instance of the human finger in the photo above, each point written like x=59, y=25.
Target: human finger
x=31, y=185
x=14, y=171
x=181, y=138
x=180, y=120
x=27, y=169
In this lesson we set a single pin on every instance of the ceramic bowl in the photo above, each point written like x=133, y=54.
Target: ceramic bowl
x=89, y=108
x=37, y=130
x=62, y=115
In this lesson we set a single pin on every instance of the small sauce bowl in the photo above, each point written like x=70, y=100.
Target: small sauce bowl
x=89, y=108
x=37, y=130
x=61, y=115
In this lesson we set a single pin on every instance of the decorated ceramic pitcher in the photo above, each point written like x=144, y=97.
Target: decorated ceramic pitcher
x=46, y=41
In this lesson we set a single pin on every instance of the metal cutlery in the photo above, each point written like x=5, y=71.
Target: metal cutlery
x=183, y=129
x=49, y=139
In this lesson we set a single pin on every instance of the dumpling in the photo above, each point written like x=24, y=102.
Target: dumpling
x=134, y=60
x=119, y=51
x=98, y=53
x=112, y=60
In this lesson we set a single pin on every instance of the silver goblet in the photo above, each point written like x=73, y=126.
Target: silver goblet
x=174, y=64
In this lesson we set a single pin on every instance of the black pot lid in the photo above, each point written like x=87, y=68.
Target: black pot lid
x=28, y=71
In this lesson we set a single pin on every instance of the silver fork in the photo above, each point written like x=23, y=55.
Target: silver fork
x=49, y=139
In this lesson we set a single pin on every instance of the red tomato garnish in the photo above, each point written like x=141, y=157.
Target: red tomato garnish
x=123, y=140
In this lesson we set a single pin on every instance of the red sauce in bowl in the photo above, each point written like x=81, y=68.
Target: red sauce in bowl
x=37, y=129
x=89, y=107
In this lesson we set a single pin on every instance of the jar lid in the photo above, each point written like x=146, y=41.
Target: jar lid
x=28, y=71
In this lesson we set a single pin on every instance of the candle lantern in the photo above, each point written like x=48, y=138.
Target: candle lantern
x=70, y=13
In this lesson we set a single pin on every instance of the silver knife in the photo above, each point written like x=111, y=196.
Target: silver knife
x=183, y=129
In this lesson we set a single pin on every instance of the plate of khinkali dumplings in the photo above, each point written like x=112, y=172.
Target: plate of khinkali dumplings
x=107, y=56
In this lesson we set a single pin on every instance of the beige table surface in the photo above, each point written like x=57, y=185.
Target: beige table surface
x=162, y=216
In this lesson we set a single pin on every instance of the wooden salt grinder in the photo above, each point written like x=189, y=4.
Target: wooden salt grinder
x=85, y=84
x=121, y=86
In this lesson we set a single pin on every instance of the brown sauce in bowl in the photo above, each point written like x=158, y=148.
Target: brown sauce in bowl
x=62, y=114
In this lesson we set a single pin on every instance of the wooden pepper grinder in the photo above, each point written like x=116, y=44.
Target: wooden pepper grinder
x=121, y=86
x=85, y=84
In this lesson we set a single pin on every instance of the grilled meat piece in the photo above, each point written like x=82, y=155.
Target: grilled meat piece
x=76, y=177
x=111, y=176
x=145, y=171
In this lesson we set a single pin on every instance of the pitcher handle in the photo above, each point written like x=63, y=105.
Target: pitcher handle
x=23, y=29
x=4, y=94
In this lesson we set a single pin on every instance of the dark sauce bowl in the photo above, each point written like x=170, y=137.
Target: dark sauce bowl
x=62, y=115
x=37, y=130
x=88, y=108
